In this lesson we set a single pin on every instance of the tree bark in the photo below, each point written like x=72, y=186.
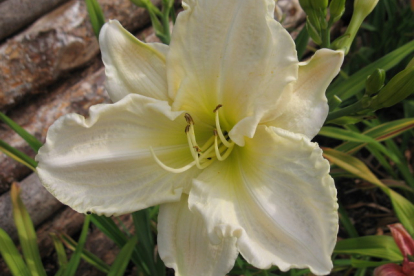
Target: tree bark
x=55, y=44
x=18, y=14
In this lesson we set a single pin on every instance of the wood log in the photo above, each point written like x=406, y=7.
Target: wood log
x=55, y=44
x=73, y=95
x=18, y=14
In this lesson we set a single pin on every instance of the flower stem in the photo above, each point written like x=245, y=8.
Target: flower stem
x=353, y=108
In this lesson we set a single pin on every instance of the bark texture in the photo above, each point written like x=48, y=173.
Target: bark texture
x=58, y=42
x=18, y=14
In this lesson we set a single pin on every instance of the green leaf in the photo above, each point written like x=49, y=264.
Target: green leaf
x=346, y=222
x=380, y=133
x=75, y=259
x=123, y=258
x=60, y=250
x=11, y=256
x=111, y=230
x=347, y=135
x=382, y=247
x=17, y=155
x=96, y=16
x=350, y=120
x=301, y=42
x=30, y=139
x=396, y=90
x=403, y=208
x=357, y=263
x=345, y=89
x=87, y=256
x=27, y=233
x=142, y=224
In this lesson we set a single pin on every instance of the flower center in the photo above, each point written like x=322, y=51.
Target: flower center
x=219, y=146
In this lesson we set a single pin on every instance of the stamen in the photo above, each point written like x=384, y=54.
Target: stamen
x=207, y=154
x=217, y=108
x=220, y=133
x=191, y=145
x=217, y=150
x=189, y=119
x=192, y=134
x=167, y=168
x=195, y=153
x=208, y=143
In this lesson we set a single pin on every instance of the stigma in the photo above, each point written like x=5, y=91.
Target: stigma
x=218, y=147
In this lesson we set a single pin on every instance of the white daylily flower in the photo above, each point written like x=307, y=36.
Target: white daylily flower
x=216, y=128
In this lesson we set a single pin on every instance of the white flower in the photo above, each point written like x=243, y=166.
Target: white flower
x=243, y=177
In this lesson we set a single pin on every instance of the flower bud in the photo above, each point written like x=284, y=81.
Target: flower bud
x=314, y=33
x=306, y=5
x=361, y=10
x=320, y=4
x=397, y=89
x=364, y=7
x=401, y=237
x=389, y=270
x=337, y=8
x=375, y=82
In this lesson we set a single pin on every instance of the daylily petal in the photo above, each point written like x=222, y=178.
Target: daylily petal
x=403, y=239
x=307, y=109
x=103, y=164
x=132, y=66
x=389, y=270
x=276, y=196
x=184, y=245
x=231, y=53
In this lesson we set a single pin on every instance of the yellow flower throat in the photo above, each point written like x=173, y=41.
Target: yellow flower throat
x=219, y=146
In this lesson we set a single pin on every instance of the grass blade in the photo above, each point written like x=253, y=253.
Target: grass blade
x=17, y=155
x=383, y=247
x=111, y=230
x=143, y=233
x=75, y=259
x=96, y=16
x=30, y=139
x=348, y=135
x=86, y=255
x=346, y=222
x=123, y=258
x=26, y=232
x=11, y=256
x=380, y=133
x=60, y=250
x=301, y=42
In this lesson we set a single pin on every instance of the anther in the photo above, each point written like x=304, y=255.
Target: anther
x=187, y=128
x=188, y=119
x=217, y=108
